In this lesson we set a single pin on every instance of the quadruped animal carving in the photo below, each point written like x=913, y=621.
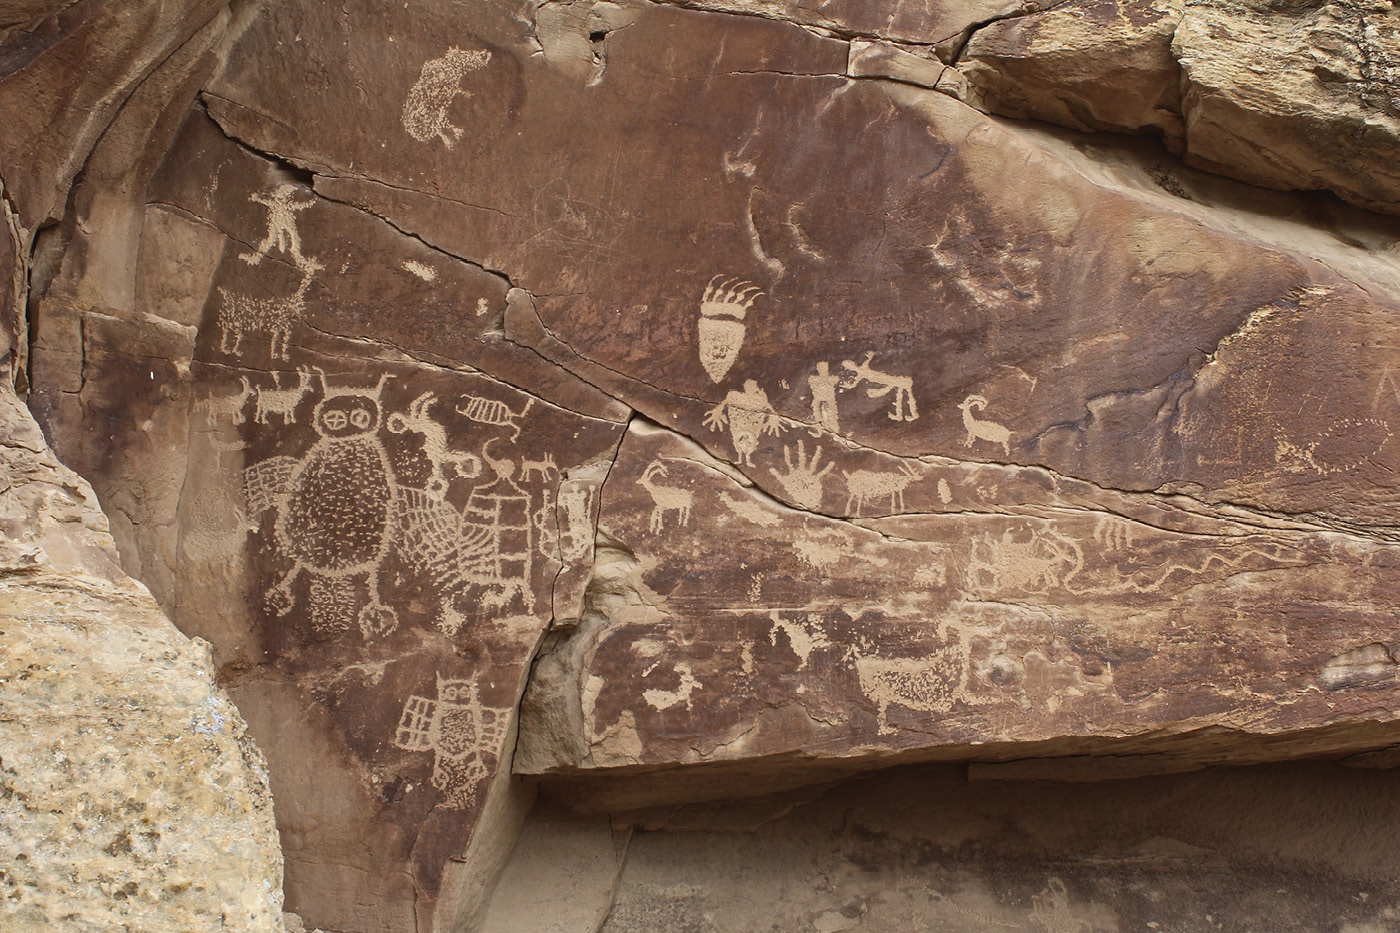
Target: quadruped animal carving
x=978, y=429
x=283, y=402
x=226, y=406
x=438, y=84
x=929, y=684
x=863, y=486
x=239, y=314
x=666, y=498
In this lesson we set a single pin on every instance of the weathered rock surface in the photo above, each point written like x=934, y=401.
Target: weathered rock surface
x=924, y=848
x=131, y=797
x=712, y=369
x=1286, y=95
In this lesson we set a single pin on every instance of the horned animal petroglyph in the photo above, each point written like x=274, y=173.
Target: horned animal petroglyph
x=879, y=384
x=927, y=685
x=982, y=430
x=542, y=468
x=864, y=485
x=280, y=401
x=239, y=314
x=666, y=498
x=230, y=406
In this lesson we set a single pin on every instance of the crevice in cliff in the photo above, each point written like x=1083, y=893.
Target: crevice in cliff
x=950, y=50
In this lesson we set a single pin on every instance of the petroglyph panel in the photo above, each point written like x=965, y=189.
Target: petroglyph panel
x=1036, y=607
x=946, y=434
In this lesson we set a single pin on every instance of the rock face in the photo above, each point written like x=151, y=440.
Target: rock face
x=131, y=797
x=925, y=848
x=1286, y=95
x=669, y=401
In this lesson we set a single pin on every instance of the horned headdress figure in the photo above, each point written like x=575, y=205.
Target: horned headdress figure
x=722, y=311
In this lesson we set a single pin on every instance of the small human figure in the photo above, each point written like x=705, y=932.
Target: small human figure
x=823, y=385
x=281, y=225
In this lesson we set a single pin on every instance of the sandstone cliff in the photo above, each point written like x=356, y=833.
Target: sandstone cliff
x=656, y=403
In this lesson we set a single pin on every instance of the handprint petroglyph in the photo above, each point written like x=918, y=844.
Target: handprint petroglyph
x=803, y=480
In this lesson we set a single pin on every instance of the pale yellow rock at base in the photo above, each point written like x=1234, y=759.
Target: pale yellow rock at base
x=131, y=798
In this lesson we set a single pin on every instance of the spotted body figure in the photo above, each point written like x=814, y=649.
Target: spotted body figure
x=462, y=734
x=439, y=83
x=334, y=511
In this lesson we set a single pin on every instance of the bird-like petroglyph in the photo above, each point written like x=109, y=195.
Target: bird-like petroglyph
x=723, y=307
x=749, y=415
x=333, y=506
x=438, y=84
x=463, y=735
x=340, y=510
